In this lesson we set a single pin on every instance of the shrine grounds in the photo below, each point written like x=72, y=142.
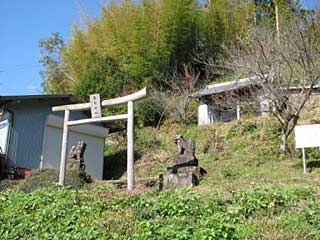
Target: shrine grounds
x=249, y=192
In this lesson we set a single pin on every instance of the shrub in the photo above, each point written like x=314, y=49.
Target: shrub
x=45, y=178
x=147, y=140
x=148, y=112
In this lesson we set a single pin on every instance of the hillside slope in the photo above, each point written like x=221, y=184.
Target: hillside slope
x=236, y=155
x=250, y=192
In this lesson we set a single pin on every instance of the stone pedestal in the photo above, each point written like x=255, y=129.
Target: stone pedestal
x=185, y=176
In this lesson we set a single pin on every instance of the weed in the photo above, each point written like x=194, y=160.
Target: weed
x=229, y=173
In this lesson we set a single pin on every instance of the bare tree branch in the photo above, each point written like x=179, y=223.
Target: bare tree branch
x=285, y=73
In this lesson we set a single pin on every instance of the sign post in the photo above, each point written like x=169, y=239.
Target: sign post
x=304, y=161
x=95, y=106
x=307, y=136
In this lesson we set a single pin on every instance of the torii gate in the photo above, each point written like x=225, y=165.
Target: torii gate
x=95, y=107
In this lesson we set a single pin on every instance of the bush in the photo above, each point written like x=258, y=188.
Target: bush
x=148, y=112
x=45, y=178
x=147, y=140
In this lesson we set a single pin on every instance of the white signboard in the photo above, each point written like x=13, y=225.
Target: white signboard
x=307, y=136
x=95, y=106
x=4, y=130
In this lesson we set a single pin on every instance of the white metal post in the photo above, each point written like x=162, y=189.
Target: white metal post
x=130, y=153
x=238, y=112
x=64, y=148
x=304, y=161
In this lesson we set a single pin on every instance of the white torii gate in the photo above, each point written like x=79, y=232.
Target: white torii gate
x=95, y=107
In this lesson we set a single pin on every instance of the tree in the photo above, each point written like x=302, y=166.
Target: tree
x=102, y=75
x=55, y=76
x=175, y=102
x=279, y=68
x=149, y=41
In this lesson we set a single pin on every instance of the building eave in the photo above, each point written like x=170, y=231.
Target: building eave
x=225, y=87
x=67, y=97
x=238, y=84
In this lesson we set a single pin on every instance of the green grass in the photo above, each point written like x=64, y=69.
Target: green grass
x=101, y=212
x=249, y=192
x=241, y=156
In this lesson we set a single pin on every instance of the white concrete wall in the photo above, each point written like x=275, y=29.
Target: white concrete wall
x=94, y=136
x=93, y=155
x=203, y=114
x=208, y=114
x=264, y=106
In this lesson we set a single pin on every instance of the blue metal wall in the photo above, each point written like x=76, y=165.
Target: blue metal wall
x=25, y=144
x=26, y=140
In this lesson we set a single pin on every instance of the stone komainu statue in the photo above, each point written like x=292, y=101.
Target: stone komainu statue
x=75, y=157
x=185, y=171
x=186, y=154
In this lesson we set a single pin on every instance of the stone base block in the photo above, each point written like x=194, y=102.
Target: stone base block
x=194, y=170
x=184, y=177
x=173, y=181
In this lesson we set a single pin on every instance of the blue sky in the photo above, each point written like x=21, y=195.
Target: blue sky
x=24, y=23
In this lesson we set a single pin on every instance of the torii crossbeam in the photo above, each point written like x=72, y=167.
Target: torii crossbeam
x=95, y=106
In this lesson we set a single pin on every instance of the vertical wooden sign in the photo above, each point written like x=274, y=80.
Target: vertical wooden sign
x=95, y=105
